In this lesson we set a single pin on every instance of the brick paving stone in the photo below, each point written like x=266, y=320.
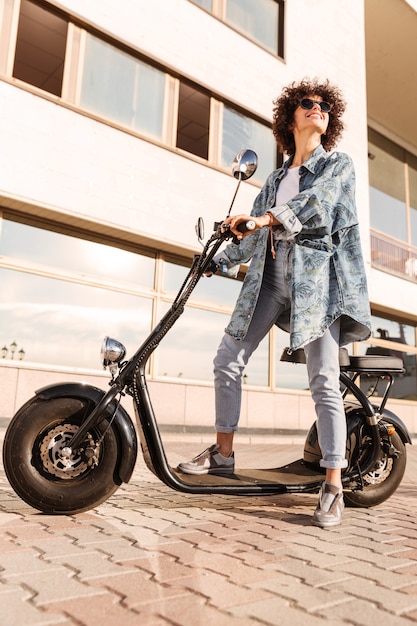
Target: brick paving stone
x=53, y=586
x=234, y=568
x=164, y=568
x=409, y=570
x=185, y=551
x=304, y=596
x=317, y=557
x=89, y=536
x=393, y=580
x=108, y=610
x=404, y=552
x=57, y=547
x=92, y=565
x=191, y=609
x=324, y=542
x=396, y=602
x=365, y=614
x=140, y=534
x=138, y=588
x=374, y=545
x=28, y=561
x=123, y=550
x=26, y=534
x=17, y=610
x=310, y=574
x=222, y=593
x=278, y=612
x=7, y=544
x=385, y=561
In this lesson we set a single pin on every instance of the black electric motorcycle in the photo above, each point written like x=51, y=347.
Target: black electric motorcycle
x=72, y=445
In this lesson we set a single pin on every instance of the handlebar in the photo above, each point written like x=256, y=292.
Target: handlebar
x=245, y=227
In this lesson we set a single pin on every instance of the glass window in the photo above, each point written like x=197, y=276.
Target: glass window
x=288, y=375
x=193, y=121
x=412, y=178
x=218, y=289
x=63, y=252
x=64, y=323
x=389, y=331
x=392, y=330
x=187, y=351
x=122, y=88
x=387, y=192
x=240, y=132
x=206, y=4
x=259, y=20
x=40, y=48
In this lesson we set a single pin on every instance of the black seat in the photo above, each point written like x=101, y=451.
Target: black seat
x=298, y=356
x=376, y=364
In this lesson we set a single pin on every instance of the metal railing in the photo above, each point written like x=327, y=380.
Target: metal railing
x=393, y=257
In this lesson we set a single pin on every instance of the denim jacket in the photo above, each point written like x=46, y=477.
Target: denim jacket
x=329, y=280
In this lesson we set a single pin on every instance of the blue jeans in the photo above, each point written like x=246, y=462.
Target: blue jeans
x=322, y=356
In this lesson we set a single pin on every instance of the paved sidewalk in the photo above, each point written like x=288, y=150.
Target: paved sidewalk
x=153, y=557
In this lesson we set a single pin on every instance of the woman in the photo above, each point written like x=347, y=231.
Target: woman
x=306, y=275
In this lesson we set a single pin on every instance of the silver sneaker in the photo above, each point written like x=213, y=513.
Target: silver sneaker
x=330, y=506
x=209, y=462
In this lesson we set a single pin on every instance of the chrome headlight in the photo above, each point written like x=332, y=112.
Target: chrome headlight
x=112, y=351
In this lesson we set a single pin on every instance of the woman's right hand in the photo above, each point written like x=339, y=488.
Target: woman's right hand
x=235, y=220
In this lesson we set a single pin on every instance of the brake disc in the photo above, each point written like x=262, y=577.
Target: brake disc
x=380, y=474
x=57, y=464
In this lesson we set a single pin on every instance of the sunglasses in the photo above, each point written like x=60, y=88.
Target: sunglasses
x=308, y=104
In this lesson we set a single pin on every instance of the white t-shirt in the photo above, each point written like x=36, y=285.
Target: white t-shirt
x=289, y=186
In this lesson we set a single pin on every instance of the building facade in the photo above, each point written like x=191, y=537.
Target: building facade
x=119, y=125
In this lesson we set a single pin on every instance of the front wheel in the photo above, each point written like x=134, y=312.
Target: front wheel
x=39, y=470
x=382, y=482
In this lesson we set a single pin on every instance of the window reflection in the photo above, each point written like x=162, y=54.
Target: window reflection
x=412, y=177
x=259, y=20
x=387, y=193
x=122, y=88
x=392, y=332
x=76, y=255
x=288, y=375
x=190, y=346
x=219, y=289
x=64, y=323
x=241, y=132
x=206, y=4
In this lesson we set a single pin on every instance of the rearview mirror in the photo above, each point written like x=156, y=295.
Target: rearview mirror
x=244, y=164
x=199, y=229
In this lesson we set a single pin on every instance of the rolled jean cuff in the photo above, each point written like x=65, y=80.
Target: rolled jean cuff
x=226, y=431
x=334, y=464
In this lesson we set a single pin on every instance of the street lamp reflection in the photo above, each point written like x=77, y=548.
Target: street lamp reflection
x=9, y=352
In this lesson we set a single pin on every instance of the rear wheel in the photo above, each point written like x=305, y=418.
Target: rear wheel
x=37, y=463
x=383, y=481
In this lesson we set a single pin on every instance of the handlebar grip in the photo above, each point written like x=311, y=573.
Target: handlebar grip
x=244, y=227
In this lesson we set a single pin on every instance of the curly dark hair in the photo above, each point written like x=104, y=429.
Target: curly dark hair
x=289, y=100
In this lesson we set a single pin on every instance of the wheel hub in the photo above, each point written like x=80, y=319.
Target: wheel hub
x=56, y=460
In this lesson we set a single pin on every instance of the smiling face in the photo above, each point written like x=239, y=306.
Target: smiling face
x=313, y=119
